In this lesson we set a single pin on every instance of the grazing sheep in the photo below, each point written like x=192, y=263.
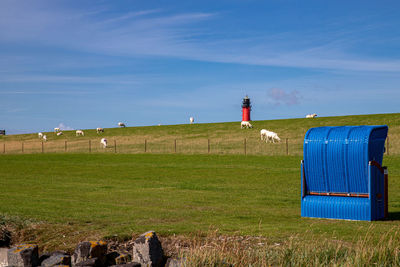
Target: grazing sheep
x=80, y=132
x=191, y=119
x=56, y=130
x=103, y=142
x=311, y=116
x=245, y=124
x=99, y=130
x=269, y=136
x=40, y=135
x=45, y=138
x=59, y=133
x=121, y=124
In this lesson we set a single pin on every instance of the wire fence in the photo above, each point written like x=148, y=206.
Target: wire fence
x=246, y=146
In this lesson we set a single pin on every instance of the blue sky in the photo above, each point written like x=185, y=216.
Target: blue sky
x=88, y=64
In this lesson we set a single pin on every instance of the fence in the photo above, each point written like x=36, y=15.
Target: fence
x=246, y=146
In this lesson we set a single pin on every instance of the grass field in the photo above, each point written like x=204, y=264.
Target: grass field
x=216, y=138
x=67, y=197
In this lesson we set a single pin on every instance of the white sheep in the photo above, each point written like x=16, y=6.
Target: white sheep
x=59, y=133
x=103, y=142
x=79, y=132
x=56, y=130
x=269, y=136
x=40, y=135
x=245, y=124
x=121, y=124
x=191, y=119
x=99, y=130
x=45, y=138
x=308, y=116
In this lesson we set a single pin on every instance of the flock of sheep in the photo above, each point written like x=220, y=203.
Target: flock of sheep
x=268, y=136
x=58, y=132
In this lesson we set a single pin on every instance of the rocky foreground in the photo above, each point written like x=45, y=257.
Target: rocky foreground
x=146, y=251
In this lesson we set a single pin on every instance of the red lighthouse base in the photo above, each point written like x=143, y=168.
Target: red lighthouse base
x=246, y=114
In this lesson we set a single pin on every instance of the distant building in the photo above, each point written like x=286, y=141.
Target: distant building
x=2, y=132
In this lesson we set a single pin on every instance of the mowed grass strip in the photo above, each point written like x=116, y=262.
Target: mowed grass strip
x=173, y=194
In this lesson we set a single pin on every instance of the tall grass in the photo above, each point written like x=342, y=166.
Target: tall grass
x=307, y=250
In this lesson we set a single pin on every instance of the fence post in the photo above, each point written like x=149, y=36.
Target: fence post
x=115, y=146
x=208, y=146
x=175, y=146
x=65, y=146
x=42, y=147
x=287, y=147
x=387, y=144
x=22, y=146
x=245, y=152
x=90, y=146
x=4, y=147
x=145, y=145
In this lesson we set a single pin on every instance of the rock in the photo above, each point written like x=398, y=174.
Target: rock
x=92, y=262
x=131, y=264
x=175, y=262
x=23, y=255
x=5, y=236
x=88, y=250
x=57, y=259
x=147, y=250
x=3, y=257
x=118, y=258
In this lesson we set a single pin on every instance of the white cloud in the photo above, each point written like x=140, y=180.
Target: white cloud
x=64, y=127
x=281, y=97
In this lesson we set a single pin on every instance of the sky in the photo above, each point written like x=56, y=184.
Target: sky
x=87, y=64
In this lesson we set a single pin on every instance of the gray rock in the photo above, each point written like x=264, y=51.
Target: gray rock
x=3, y=257
x=118, y=258
x=175, y=262
x=23, y=255
x=92, y=262
x=57, y=259
x=88, y=250
x=147, y=250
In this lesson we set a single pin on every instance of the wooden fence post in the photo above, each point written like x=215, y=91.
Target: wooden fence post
x=65, y=146
x=145, y=145
x=175, y=146
x=115, y=146
x=287, y=147
x=22, y=146
x=42, y=147
x=90, y=146
x=245, y=152
x=208, y=146
x=4, y=147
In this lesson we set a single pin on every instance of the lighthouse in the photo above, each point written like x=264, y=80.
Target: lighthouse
x=246, y=108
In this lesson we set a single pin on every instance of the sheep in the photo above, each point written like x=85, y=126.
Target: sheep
x=311, y=116
x=45, y=138
x=245, y=124
x=80, y=132
x=103, y=142
x=99, y=130
x=121, y=124
x=40, y=135
x=191, y=119
x=269, y=136
x=59, y=133
x=56, y=130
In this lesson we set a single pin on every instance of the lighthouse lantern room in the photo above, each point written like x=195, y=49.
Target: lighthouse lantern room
x=246, y=108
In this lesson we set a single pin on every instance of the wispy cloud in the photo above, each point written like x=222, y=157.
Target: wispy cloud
x=178, y=36
x=64, y=127
x=281, y=97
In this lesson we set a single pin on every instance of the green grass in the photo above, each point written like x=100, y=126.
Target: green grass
x=173, y=194
x=225, y=138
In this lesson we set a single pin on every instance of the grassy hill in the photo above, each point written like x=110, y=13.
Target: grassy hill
x=222, y=138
